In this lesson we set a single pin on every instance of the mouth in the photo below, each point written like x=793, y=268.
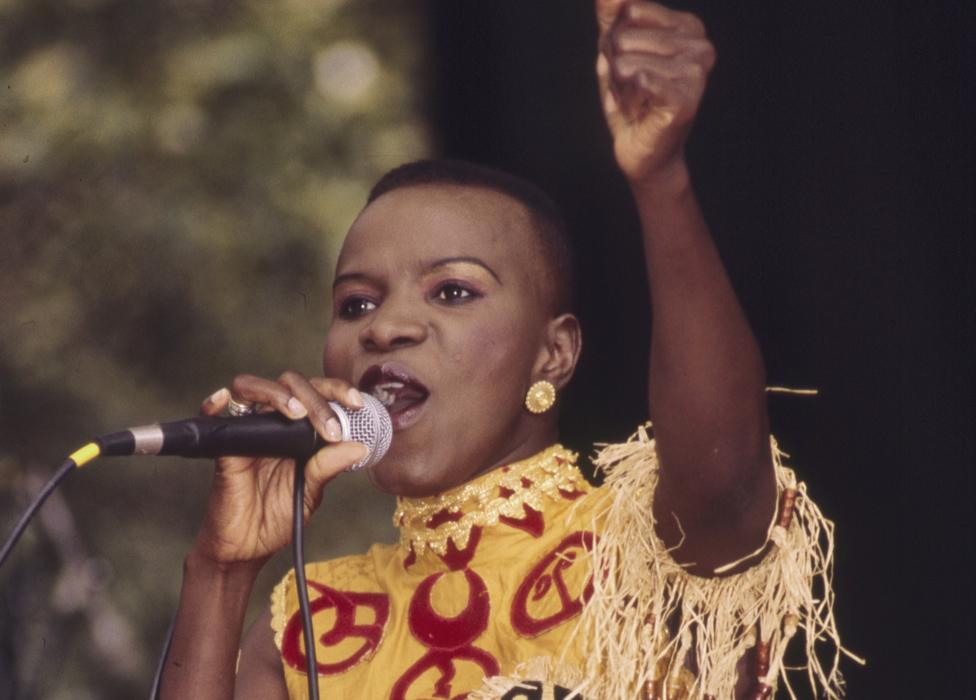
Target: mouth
x=403, y=395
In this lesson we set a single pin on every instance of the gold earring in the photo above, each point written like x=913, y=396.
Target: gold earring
x=540, y=397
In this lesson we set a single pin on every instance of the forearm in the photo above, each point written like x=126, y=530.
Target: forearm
x=203, y=656
x=707, y=393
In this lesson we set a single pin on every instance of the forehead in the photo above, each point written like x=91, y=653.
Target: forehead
x=421, y=222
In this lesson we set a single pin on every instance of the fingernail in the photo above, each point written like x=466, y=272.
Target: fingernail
x=333, y=431
x=354, y=398
x=218, y=395
x=296, y=409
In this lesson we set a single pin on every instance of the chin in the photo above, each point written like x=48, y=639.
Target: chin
x=406, y=476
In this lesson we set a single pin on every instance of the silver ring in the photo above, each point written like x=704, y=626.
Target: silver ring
x=240, y=408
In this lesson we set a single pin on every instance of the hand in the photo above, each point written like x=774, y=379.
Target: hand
x=249, y=514
x=651, y=67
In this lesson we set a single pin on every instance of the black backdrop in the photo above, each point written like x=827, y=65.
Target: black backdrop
x=833, y=160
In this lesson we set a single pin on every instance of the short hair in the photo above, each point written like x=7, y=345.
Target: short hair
x=547, y=222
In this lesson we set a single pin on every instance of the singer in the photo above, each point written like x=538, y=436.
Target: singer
x=684, y=576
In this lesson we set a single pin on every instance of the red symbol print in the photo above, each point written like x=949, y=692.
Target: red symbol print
x=543, y=599
x=457, y=559
x=346, y=604
x=532, y=522
x=448, y=639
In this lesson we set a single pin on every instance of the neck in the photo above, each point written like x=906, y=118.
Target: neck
x=531, y=442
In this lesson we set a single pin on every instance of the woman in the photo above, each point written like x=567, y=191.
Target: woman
x=452, y=292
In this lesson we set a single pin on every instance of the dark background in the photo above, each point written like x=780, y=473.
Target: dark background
x=833, y=159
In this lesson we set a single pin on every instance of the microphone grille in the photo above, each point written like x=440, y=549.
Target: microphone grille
x=370, y=425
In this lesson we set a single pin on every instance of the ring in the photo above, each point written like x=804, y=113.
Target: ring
x=239, y=408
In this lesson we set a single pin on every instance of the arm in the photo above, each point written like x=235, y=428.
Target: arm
x=717, y=491
x=248, y=519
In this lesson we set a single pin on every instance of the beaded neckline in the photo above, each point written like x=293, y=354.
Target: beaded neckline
x=431, y=521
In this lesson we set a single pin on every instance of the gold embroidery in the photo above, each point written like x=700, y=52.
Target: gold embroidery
x=279, y=607
x=482, y=502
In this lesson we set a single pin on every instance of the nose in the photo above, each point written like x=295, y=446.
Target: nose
x=392, y=326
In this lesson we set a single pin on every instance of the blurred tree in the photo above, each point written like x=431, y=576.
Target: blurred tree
x=175, y=179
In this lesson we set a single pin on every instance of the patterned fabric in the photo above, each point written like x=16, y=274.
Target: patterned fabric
x=434, y=615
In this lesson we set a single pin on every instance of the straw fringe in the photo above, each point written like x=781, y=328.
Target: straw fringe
x=647, y=613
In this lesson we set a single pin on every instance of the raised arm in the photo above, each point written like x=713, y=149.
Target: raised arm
x=716, y=493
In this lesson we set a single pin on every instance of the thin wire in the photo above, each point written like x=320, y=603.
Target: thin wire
x=66, y=468
x=161, y=664
x=298, y=554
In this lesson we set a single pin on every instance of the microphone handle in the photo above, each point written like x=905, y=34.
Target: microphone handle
x=265, y=435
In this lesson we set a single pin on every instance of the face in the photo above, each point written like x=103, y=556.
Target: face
x=441, y=311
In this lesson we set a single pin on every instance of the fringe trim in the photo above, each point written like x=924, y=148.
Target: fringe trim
x=649, y=613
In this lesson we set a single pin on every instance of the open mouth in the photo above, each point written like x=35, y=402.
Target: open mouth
x=398, y=390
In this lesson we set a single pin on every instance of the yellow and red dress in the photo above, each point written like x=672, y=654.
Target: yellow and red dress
x=488, y=585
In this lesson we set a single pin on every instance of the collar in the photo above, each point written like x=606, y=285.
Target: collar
x=429, y=522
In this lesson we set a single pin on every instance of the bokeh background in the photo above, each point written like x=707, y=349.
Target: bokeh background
x=176, y=177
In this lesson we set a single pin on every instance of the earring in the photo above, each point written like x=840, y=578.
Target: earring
x=540, y=397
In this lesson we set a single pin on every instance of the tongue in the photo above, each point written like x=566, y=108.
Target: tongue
x=405, y=398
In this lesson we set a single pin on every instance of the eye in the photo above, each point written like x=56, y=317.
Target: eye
x=354, y=307
x=454, y=293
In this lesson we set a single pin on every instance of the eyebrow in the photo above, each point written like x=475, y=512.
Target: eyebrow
x=465, y=259
x=442, y=262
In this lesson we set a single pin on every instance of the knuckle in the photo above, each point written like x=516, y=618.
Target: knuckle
x=329, y=386
x=617, y=42
x=289, y=376
x=693, y=22
x=320, y=408
x=695, y=70
x=241, y=382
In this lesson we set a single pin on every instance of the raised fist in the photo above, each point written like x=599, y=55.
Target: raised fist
x=652, y=66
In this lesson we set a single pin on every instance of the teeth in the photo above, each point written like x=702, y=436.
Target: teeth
x=385, y=393
x=383, y=396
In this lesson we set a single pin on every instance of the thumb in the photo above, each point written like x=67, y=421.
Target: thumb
x=329, y=462
x=607, y=12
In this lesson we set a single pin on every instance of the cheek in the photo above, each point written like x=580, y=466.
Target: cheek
x=496, y=354
x=336, y=355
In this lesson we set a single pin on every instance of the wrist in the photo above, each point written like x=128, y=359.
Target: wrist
x=668, y=179
x=199, y=564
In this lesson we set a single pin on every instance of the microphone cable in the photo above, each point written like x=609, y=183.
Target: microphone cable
x=298, y=560
x=76, y=460
x=91, y=451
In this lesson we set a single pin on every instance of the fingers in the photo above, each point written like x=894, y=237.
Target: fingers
x=293, y=395
x=650, y=53
x=329, y=462
x=314, y=396
x=652, y=14
x=639, y=40
x=612, y=12
x=607, y=12
x=628, y=66
x=215, y=403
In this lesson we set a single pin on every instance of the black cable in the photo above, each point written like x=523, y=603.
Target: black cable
x=298, y=554
x=8, y=546
x=91, y=451
x=161, y=664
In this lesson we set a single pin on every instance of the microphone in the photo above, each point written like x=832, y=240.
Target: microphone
x=261, y=435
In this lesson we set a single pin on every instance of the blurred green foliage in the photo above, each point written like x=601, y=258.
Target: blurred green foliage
x=175, y=180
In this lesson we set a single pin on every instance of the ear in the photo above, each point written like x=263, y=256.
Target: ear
x=557, y=359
